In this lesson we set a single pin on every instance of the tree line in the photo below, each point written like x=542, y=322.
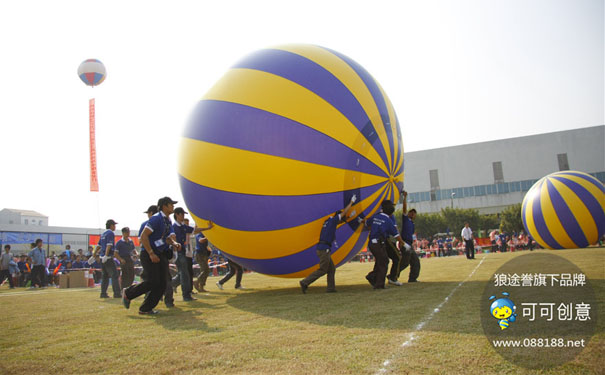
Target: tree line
x=453, y=219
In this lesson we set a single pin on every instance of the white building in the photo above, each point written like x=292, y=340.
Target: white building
x=23, y=217
x=491, y=176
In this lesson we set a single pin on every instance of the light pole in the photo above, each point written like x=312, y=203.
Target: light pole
x=452, y=200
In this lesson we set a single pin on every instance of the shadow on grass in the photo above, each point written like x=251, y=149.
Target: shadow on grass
x=182, y=318
x=359, y=306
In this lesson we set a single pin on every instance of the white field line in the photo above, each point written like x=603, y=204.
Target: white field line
x=413, y=335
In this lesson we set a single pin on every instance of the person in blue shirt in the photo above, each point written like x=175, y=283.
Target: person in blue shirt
x=125, y=249
x=156, y=238
x=184, y=263
x=502, y=237
x=381, y=227
x=395, y=255
x=105, y=249
x=327, y=235
x=408, y=229
x=24, y=273
x=440, y=244
x=202, y=252
x=38, y=259
x=448, y=245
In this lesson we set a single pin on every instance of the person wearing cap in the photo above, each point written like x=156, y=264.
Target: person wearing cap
x=381, y=227
x=184, y=261
x=156, y=238
x=105, y=249
x=407, y=233
x=327, y=236
x=125, y=248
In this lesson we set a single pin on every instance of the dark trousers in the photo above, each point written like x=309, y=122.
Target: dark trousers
x=202, y=260
x=38, y=275
x=183, y=278
x=395, y=255
x=154, y=282
x=410, y=258
x=470, y=249
x=441, y=252
x=326, y=266
x=6, y=274
x=234, y=269
x=381, y=263
x=127, y=272
x=109, y=269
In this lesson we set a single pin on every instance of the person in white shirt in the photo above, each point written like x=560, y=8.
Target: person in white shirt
x=467, y=236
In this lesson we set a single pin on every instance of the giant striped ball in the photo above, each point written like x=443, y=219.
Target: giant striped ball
x=565, y=210
x=282, y=141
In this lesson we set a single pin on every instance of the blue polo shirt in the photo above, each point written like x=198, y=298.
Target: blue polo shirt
x=382, y=227
x=502, y=238
x=107, y=238
x=440, y=243
x=328, y=232
x=38, y=257
x=407, y=229
x=160, y=227
x=124, y=248
x=181, y=231
x=199, y=247
x=141, y=229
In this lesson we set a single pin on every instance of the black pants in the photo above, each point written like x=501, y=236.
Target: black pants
x=381, y=263
x=395, y=255
x=6, y=274
x=410, y=258
x=127, y=272
x=109, y=269
x=326, y=266
x=470, y=249
x=234, y=269
x=154, y=282
x=38, y=275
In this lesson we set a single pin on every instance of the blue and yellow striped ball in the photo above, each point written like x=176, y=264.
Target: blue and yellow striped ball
x=282, y=141
x=565, y=210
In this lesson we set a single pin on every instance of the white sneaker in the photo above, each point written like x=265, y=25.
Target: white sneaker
x=220, y=286
x=397, y=282
x=240, y=287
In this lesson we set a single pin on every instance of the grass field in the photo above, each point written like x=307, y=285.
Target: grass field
x=272, y=328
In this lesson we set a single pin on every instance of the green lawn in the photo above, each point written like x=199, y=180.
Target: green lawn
x=272, y=328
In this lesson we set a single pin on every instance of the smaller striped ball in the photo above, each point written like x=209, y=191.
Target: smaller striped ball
x=565, y=210
x=92, y=72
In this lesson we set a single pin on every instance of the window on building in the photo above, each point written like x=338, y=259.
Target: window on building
x=563, y=162
x=26, y=222
x=498, y=174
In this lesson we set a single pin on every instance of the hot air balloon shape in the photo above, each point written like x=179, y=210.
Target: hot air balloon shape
x=92, y=72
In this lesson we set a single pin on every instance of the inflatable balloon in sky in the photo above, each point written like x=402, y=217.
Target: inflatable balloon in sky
x=92, y=72
x=283, y=140
x=565, y=210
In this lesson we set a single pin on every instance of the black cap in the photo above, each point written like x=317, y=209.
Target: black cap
x=110, y=222
x=180, y=210
x=153, y=209
x=164, y=201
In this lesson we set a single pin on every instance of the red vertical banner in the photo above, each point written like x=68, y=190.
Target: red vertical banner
x=94, y=181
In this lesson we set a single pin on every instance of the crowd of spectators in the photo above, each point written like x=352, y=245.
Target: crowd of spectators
x=20, y=266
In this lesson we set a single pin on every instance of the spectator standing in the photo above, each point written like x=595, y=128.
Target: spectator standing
x=5, y=260
x=105, y=249
x=38, y=259
x=467, y=236
x=24, y=271
x=125, y=249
